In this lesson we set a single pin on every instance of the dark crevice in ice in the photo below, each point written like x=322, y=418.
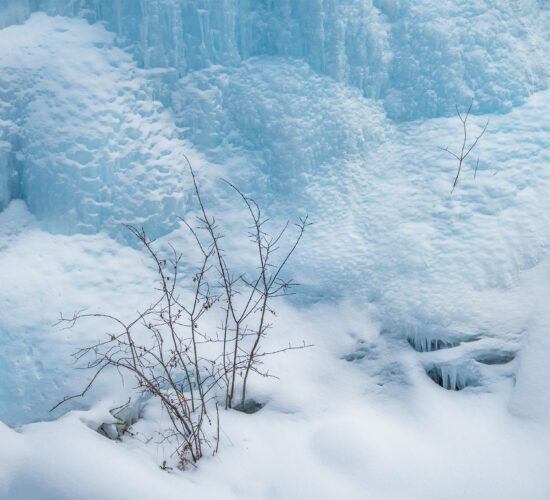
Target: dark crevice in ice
x=251, y=406
x=453, y=378
x=495, y=358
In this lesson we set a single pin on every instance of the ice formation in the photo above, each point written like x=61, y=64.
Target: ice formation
x=83, y=133
x=332, y=107
x=416, y=61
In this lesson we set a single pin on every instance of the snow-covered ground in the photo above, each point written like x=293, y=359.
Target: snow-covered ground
x=370, y=428
x=336, y=109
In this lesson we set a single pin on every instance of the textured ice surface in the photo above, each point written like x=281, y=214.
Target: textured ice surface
x=279, y=116
x=15, y=11
x=419, y=58
x=87, y=132
x=82, y=136
x=308, y=105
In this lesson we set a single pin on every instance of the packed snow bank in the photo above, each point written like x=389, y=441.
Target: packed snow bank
x=348, y=416
x=43, y=275
x=69, y=460
x=531, y=395
x=330, y=428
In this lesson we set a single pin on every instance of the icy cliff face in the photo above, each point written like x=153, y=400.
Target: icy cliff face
x=419, y=58
x=434, y=52
x=79, y=117
x=82, y=134
x=15, y=11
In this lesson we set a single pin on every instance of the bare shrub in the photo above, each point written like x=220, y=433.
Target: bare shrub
x=188, y=367
x=465, y=150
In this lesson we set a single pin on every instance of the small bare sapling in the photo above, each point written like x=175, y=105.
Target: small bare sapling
x=465, y=150
x=170, y=348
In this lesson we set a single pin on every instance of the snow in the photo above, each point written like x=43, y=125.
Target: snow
x=427, y=310
x=328, y=429
x=530, y=397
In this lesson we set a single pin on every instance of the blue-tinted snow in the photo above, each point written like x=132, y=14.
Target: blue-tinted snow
x=334, y=108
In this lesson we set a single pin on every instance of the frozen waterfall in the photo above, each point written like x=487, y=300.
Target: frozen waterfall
x=332, y=107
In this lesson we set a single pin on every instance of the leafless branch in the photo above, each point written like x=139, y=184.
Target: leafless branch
x=464, y=150
x=164, y=348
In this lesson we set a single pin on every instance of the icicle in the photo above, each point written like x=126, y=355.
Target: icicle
x=452, y=377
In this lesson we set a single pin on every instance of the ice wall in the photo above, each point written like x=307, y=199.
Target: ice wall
x=419, y=58
x=5, y=171
x=278, y=115
x=16, y=11
x=84, y=143
x=88, y=131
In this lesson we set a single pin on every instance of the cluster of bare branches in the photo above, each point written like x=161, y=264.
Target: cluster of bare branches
x=465, y=150
x=189, y=367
